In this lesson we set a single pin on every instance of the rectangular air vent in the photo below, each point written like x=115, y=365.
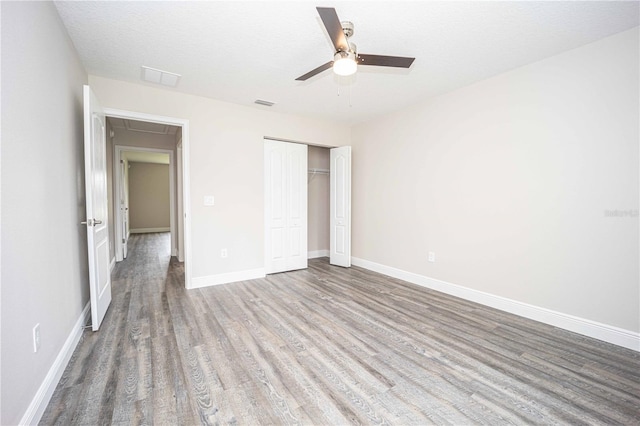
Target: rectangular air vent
x=165, y=78
x=265, y=103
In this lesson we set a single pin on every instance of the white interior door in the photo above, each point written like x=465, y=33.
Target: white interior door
x=124, y=208
x=95, y=164
x=285, y=206
x=340, y=206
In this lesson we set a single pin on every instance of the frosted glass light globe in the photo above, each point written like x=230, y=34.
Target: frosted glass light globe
x=344, y=63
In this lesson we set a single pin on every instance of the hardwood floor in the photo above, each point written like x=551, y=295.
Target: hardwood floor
x=324, y=346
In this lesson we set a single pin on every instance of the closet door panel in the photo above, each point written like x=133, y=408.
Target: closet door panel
x=275, y=207
x=297, y=206
x=340, y=207
x=285, y=206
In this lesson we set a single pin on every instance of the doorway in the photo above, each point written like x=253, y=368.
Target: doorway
x=144, y=195
x=308, y=185
x=180, y=224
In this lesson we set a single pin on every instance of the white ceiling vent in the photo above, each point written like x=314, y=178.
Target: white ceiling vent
x=165, y=78
x=265, y=103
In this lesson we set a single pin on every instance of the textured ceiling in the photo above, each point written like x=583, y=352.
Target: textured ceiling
x=242, y=51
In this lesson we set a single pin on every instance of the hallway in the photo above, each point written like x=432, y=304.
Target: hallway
x=109, y=378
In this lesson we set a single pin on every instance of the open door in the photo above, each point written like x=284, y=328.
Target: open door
x=340, y=206
x=124, y=207
x=95, y=170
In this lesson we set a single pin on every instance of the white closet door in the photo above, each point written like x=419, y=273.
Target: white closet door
x=340, y=207
x=285, y=206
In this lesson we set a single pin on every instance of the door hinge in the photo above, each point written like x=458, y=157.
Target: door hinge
x=123, y=241
x=121, y=161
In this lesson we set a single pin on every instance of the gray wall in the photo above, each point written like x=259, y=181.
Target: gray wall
x=509, y=182
x=149, y=205
x=44, y=255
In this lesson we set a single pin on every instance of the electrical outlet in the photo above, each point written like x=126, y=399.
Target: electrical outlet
x=36, y=337
x=223, y=253
x=432, y=256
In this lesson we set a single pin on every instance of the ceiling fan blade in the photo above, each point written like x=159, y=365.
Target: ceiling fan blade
x=315, y=71
x=334, y=28
x=385, y=61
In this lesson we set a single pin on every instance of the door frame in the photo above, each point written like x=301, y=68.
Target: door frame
x=186, y=192
x=118, y=150
x=180, y=194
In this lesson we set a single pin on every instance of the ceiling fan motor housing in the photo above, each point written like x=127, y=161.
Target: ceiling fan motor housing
x=347, y=27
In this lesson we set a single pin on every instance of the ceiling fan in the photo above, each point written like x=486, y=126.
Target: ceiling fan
x=346, y=58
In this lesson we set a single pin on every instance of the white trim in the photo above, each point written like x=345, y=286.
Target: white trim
x=45, y=391
x=117, y=227
x=148, y=230
x=317, y=253
x=186, y=170
x=617, y=336
x=229, y=277
x=112, y=264
x=180, y=188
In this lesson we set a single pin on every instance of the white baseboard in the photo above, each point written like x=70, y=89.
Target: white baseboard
x=617, y=336
x=45, y=391
x=148, y=230
x=317, y=253
x=229, y=277
x=112, y=264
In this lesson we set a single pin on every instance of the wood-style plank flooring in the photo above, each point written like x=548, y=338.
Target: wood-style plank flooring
x=328, y=346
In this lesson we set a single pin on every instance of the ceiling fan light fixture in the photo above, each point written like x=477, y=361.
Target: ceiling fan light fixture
x=345, y=63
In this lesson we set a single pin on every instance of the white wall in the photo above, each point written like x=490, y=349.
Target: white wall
x=226, y=161
x=44, y=258
x=509, y=180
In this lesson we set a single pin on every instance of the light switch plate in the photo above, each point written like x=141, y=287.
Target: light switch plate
x=209, y=200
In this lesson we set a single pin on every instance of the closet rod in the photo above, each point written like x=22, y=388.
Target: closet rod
x=319, y=171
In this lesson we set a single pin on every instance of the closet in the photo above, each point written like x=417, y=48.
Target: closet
x=307, y=205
